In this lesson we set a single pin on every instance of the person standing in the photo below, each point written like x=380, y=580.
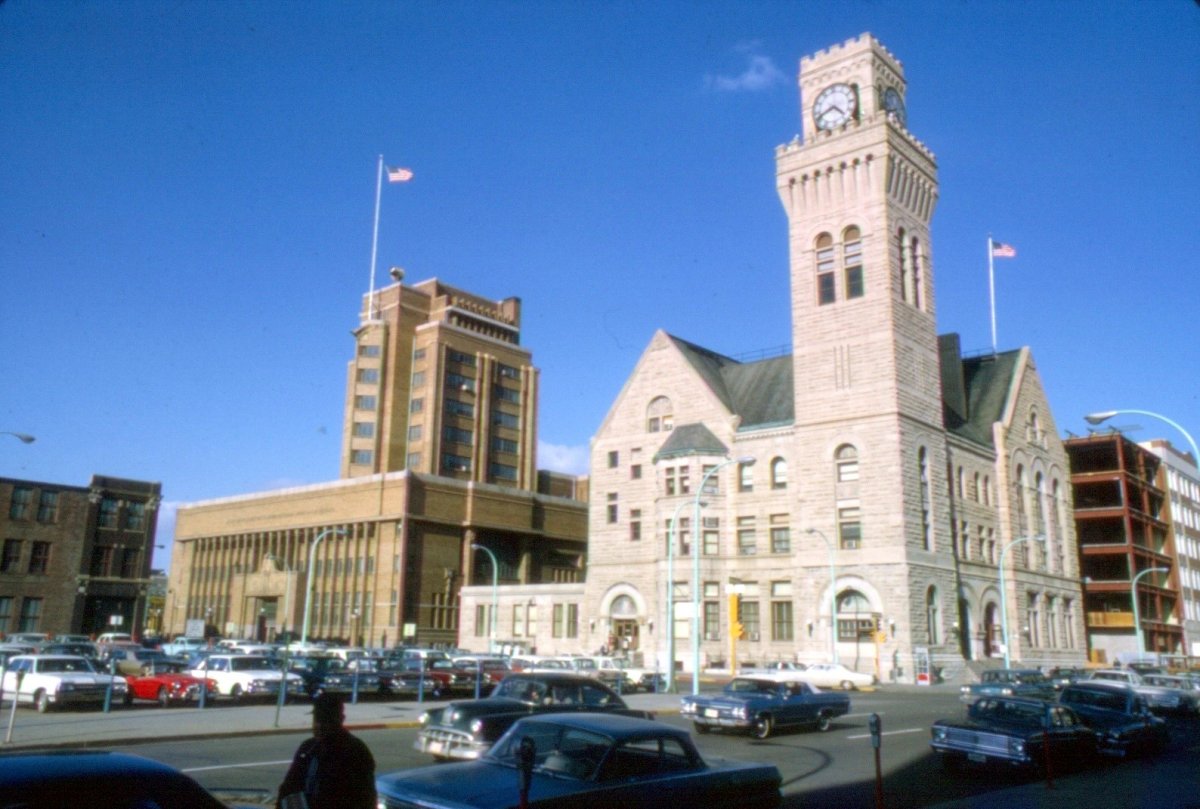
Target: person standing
x=332, y=770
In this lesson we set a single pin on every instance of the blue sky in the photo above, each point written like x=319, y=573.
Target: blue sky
x=187, y=191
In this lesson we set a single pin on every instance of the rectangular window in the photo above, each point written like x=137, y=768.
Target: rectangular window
x=364, y=402
x=612, y=507
x=364, y=429
x=504, y=445
x=502, y=471
x=749, y=618
x=507, y=371
x=368, y=376
x=6, y=604
x=825, y=289
x=361, y=457
x=456, y=408
x=712, y=620
x=685, y=486
x=47, y=507
x=712, y=540
x=31, y=615
x=849, y=527
x=635, y=472
x=460, y=382
x=747, y=540
x=713, y=486
x=852, y=256
x=745, y=477
x=11, y=557
x=108, y=512
x=369, y=350
x=455, y=463
x=782, y=627
x=129, y=563
x=502, y=419
x=635, y=525
x=614, y=459
x=781, y=534
x=18, y=509
x=135, y=517
x=457, y=435
x=415, y=432
x=669, y=478
x=508, y=394
x=418, y=379
x=461, y=358
x=413, y=460
x=39, y=557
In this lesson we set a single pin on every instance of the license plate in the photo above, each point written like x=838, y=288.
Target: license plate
x=436, y=747
x=978, y=758
x=711, y=713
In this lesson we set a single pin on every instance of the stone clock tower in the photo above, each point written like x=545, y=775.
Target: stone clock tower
x=859, y=191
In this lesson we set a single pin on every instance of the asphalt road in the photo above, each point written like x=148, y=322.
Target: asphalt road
x=836, y=768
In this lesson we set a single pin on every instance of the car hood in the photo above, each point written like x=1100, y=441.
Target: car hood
x=471, y=785
x=728, y=700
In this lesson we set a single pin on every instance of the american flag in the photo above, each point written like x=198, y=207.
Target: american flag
x=1002, y=250
x=399, y=175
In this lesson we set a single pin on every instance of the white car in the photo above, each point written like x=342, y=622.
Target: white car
x=238, y=675
x=834, y=675
x=48, y=681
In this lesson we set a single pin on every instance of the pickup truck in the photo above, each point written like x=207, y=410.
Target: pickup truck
x=184, y=646
x=760, y=703
x=1009, y=683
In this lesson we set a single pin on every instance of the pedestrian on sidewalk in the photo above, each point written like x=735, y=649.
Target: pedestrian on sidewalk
x=332, y=770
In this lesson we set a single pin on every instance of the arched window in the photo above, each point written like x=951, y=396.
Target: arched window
x=976, y=495
x=826, y=281
x=915, y=257
x=1021, y=501
x=1033, y=618
x=854, y=615
x=1033, y=428
x=1041, y=525
x=659, y=415
x=905, y=272
x=960, y=483
x=926, y=505
x=987, y=490
x=846, y=461
x=852, y=262
x=623, y=607
x=933, y=619
x=779, y=473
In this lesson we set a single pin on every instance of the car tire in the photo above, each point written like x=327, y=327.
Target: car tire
x=700, y=729
x=847, y=685
x=762, y=727
x=824, y=721
x=41, y=701
x=235, y=693
x=164, y=697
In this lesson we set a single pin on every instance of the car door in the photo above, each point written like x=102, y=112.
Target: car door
x=795, y=706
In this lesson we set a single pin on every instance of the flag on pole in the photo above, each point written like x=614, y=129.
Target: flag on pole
x=399, y=175
x=1002, y=250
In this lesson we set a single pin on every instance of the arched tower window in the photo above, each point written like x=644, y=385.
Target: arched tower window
x=846, y=461
x=914, y=256
x=779, y=473
x=659, y=415
x=933, y=619
x=926, y=505
x=852, y=262
x=905, y=270
x=826, y=281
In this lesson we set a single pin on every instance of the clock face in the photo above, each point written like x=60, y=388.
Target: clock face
x=836, y=105
x=893, y=103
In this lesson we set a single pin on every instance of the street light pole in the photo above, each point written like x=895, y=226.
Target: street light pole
x=1099, y=418
x=495, y=596
x=833, y=650
x=1137, y=623
x=748, y=461
x=308, y=581
x=1004, y=594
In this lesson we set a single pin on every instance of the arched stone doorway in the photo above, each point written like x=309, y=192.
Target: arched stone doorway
x=623, y=618
x=991, y=631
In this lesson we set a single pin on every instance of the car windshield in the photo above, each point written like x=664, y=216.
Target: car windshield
x=1017, y=713
x=64, y=664
x=745, y=685
x=561, y=752
x=249, y=663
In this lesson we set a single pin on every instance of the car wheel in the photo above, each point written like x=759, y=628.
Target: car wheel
x=847, y=685
x=41, y=701
x=236, y=693
x=824, y=721
x=700, y=729
x=164, y=698
x=762, y=727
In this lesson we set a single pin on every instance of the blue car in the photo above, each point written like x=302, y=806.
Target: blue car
x=761, y=703
x=587, y=761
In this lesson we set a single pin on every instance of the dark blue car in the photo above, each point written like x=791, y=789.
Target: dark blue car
x=763, y=702
x=587, y=761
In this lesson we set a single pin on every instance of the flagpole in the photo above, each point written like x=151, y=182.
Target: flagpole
x=375, y=242
x=992, y=290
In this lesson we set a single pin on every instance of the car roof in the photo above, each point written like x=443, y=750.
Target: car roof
x=549, y=676
x=616, y=726
x=40, y=766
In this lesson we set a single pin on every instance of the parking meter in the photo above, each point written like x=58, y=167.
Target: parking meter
x=876, y=726
x=525, y=755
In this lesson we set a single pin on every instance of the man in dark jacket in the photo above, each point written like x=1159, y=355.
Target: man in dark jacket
x=333, y=769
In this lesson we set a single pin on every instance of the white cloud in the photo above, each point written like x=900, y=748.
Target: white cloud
x=558, y=458
x=760, y=74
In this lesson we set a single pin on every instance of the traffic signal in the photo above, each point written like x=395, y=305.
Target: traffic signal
x=736, y=630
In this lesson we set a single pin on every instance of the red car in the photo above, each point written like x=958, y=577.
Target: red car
x=167, y=684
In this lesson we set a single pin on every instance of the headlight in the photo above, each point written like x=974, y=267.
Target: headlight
x=257, y=683
x=424, y=719
x=66, y=686
x=687, y=707
x=1006, y=691
x=452, y=717
x=476, y=727
x=741, y=713
x=939, y=734
x=1016, y=746
x=966, y=689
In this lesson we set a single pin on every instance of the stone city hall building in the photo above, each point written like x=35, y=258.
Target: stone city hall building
x=438, y=484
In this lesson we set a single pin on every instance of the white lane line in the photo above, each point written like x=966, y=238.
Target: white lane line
x=889, y=733
x=237, y=766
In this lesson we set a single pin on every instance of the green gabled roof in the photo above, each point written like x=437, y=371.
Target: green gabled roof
x=759, y=392
x=986, y=382
x=690, y=439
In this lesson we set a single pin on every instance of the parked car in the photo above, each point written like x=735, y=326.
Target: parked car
x=761, y=703
x=77, y=648
x=608, y=670
x=1118, y=715
x=130, y=658
x=239, y=676
x=69, y=638
x=491, y=669
x=835, y=675
x=332, y=675
x=167, y=683
x=1189, y=687
x=96, y=778
x=1160, y=699
x=588, y=761
x=465, y=729
x=1062, y=676
x=28, y=638
x=183, y=646
x=1009, y=683
x=1013, y=732
x=51, y=681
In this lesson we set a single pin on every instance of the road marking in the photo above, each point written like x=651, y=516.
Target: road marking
x=237, y=766
x=889, y=733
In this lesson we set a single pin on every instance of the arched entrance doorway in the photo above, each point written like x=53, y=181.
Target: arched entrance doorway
x=623, y=619
x=991, y=631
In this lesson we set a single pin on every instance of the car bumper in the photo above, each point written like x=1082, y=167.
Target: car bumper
x=445, y=744
x=981, y=758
